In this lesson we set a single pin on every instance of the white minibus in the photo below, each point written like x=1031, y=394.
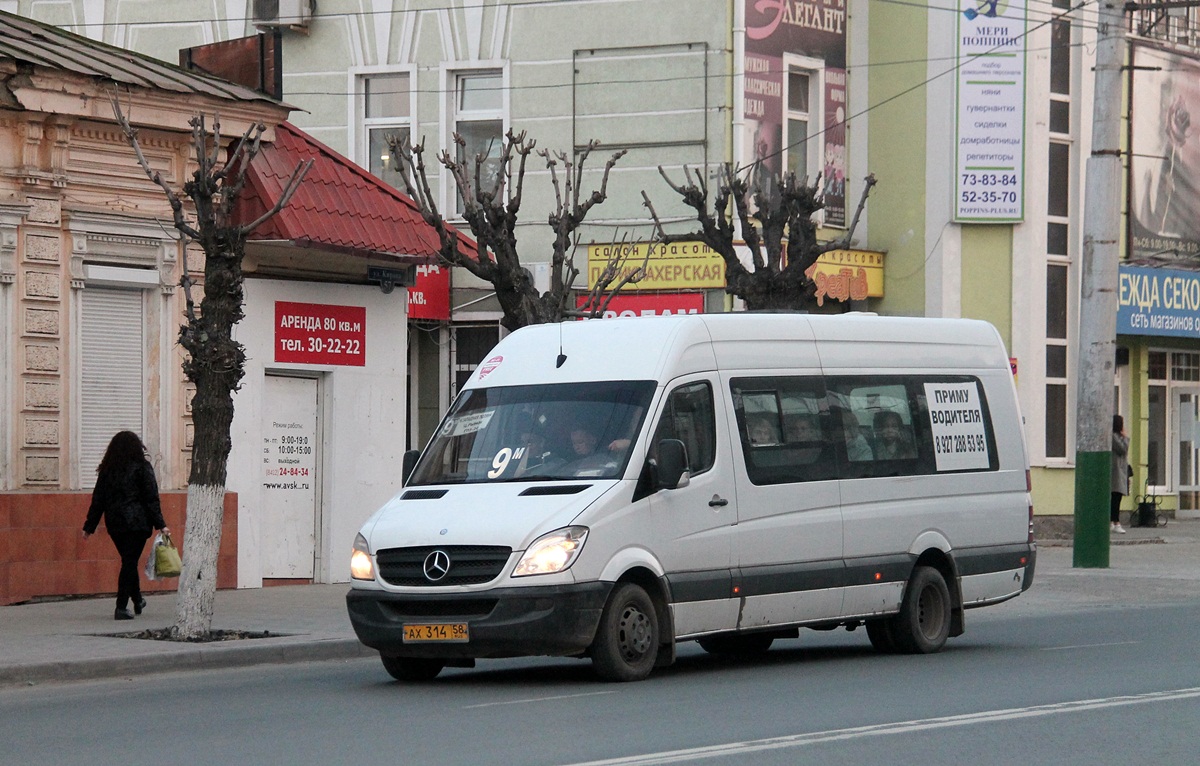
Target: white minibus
x=609, y=488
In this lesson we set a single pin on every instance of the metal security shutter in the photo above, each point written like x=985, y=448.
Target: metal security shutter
x=112, y=344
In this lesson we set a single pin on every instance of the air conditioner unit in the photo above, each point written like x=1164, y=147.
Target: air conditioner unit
x=292, y=14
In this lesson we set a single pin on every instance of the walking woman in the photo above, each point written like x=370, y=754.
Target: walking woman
x=126, y=494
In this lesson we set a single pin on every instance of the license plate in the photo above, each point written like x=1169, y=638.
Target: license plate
x=444, y=632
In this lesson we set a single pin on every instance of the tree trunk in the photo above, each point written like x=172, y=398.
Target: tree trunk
x=198, y=580
x=216, y=364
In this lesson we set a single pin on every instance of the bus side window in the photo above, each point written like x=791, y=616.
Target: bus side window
x=689, y=417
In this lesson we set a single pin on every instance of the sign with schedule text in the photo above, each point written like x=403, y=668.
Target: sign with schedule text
x=318, y=333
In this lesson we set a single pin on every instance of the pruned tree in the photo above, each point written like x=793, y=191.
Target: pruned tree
x=491, y=206
x=215, y=362
x=775, y=220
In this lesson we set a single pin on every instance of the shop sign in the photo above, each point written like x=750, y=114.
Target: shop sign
x=651, y=304
x=847, y=275
x=777, y=34
x=318, y=333
x=429, y=297
x=678, y=266
x=1158, y=302
x=989, y=171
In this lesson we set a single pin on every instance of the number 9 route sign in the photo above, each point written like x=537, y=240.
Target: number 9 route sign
x=318, y=333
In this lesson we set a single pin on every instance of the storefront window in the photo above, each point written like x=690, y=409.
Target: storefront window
x=1185, y=367
x=1157, y=366
x=1156, y=444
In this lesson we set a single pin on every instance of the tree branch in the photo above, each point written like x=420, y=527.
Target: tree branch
x=176, y=202
x=845, y=240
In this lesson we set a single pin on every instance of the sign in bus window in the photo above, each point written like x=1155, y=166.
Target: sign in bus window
x=959, y=426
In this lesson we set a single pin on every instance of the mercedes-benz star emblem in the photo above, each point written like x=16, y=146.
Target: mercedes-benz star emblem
x=437, y=565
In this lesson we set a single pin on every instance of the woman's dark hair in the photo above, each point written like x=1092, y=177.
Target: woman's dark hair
x=1118, y=424
x=125, y=449
x=882, y=418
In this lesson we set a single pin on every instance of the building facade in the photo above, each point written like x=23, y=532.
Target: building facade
x=91, y=303
x=975, y=119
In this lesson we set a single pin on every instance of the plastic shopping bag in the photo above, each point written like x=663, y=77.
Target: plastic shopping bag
x=167, y=562
x=149, y=569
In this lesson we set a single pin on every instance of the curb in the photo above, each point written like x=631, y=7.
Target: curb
x=187, y=657
x=1067, y=543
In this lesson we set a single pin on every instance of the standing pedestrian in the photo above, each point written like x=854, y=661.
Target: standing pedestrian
x=1120, y=473
x=126, y=495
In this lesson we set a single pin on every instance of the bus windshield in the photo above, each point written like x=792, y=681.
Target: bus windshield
x=546, y=432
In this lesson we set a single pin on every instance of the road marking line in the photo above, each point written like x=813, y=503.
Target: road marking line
x=536, y=699
x=903, y=727
x=1088, y=646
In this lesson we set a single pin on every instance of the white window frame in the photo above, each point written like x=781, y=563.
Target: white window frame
x=814, y=147
x=1069, y=261
x=451, y=117
x=360, y=126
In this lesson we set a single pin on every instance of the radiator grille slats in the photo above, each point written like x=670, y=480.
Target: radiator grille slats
x=469, y=564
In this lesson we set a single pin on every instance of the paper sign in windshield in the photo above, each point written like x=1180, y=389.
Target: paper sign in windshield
x=956, y=420
x=468, y=424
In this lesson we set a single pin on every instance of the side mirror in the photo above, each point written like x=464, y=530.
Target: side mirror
x=407, y=464
x=672, y=464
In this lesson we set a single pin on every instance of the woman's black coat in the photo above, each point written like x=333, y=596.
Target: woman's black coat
x=128, y=500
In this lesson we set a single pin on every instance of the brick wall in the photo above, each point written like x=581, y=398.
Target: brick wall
x=43, y=553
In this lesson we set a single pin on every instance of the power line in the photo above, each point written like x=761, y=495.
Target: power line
x=912, y=88
x=1049, y=5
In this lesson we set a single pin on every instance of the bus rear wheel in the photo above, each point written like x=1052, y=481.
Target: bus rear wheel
x=923, y=623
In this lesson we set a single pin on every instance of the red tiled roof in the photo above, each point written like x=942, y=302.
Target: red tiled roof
x=338, y=206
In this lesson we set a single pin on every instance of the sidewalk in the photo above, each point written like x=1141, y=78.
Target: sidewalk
x=75, y=640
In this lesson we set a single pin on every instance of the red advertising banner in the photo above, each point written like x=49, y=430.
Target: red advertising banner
x=653, y=304
x=429, y=297
x=317, y=333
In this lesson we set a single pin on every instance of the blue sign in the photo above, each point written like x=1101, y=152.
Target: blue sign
x=1158, y=302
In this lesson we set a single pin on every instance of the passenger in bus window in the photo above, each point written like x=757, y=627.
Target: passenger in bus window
x=804, y=433
x=893, y=441
x=857, y=447
x=761, y=431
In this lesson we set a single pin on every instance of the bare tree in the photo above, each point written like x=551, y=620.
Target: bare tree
x=215, y=362
x=490, y=208
x=776, y=223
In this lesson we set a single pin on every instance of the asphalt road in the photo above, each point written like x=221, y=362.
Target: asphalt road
x=1113, y=685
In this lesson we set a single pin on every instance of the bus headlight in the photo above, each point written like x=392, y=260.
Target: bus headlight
x=552, y=552
x=361, y=567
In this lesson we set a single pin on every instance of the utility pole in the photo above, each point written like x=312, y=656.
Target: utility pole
x=1098, y=299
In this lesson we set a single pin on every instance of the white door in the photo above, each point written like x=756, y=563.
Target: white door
x=290, y=447
x=1187, y=443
